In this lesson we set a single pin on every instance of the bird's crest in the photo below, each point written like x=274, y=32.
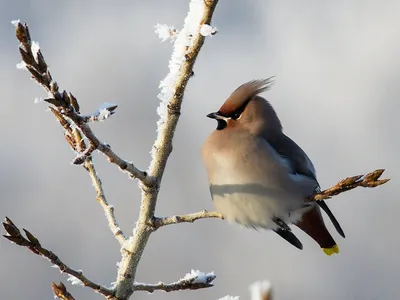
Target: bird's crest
x=244, y=93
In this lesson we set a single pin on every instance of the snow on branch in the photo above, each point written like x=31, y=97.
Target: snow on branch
x=104, y=112
x=191, y=281
x=186, y=49
x=166, y=32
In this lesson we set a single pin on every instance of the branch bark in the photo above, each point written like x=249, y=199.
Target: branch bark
x=369, y=180
x=101, y=198
x=60, y=291
x=134, y=248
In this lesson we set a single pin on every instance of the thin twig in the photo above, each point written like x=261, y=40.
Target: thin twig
x=176, y=286
x=32, y=243
x=369, y=180
x=60, y=291
x=192, y=281
x=189, y=218
x=101, y=198
x=163, y=145
x=66, y=104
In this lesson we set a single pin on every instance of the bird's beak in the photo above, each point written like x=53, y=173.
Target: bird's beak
x=215, y=115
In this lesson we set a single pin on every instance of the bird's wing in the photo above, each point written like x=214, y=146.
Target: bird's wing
x=301, y=164
x=297, y=158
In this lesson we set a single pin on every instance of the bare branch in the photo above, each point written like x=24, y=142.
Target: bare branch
x=101, y=198
x=163, y=145
x=66, y=104
x=32, y=243
x=189, y=218
x=104, y=112
x=369, y=180
x=192, y=281
x=60, y=291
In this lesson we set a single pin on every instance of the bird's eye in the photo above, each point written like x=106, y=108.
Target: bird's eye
x=235, y=116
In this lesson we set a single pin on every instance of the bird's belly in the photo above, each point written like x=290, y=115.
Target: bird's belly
x=257, y=206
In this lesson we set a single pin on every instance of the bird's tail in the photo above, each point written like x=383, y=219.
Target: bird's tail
x=313, y=224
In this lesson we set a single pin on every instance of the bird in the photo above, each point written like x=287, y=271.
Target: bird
x=258, y=176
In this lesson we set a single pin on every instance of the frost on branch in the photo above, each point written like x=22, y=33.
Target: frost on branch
x=35, y=50
x=21, y=66
x=15, y=22
x=191, y=281
x=182, y=45
x=166, y=32
x=74, y=280
x=104, y=112
x=207, y=30
x=183, y=40
x=196, y=276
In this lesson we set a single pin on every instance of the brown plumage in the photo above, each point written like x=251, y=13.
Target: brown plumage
x=258, y=176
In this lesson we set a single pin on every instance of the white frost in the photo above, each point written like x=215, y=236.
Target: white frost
x=228, y=297
x=21, y=65
x=74, y=280
x=15, y=22
x=207, y=30
x=199, y=277
x=106, y=110
x=116, y=230
x=361, y=178
x=38, y=99
x=103, y=114
x=166, y=32
x=183, y=41
x=260, y=288
x=35, y=49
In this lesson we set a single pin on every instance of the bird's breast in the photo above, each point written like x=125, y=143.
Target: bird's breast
x=250, y=185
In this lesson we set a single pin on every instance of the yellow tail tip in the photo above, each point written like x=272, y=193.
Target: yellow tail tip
x=330, y=251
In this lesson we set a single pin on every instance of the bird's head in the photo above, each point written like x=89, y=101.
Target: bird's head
x=245, y=109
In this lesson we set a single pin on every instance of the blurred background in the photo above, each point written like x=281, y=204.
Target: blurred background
x=337, y=85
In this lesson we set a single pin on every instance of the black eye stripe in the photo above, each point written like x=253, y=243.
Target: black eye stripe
x=236, y=114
